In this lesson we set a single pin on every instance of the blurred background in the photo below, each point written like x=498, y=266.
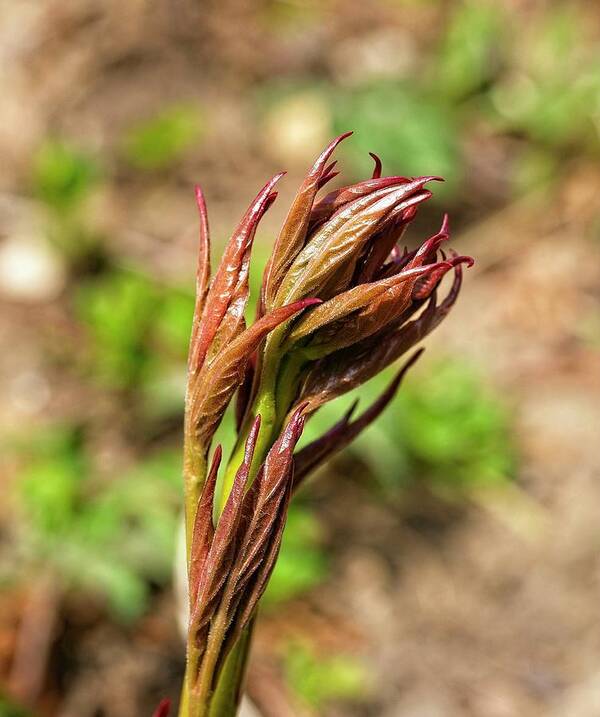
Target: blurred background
x=445, y=566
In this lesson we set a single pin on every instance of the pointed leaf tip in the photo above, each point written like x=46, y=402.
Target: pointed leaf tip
x=251, y=440
x=163, y=709
x=445, y=228
x=463, y=259
x=378, y=166
x=293, y=232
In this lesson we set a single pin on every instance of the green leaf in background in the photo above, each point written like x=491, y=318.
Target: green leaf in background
x=535, y=170
x=10, y=709
x=554, y=89
x=138, y=331
x=110, y=536
x=104, y=575
x=118, y=310
x=469, y=55
x=162, y=140
x=124, y=537
x=50, y=484
x=318, y=680
x=445, y=428
x=173, y=320
x=417, y=134
x=62, y=175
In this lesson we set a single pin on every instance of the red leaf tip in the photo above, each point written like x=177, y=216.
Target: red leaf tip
x=163, y=709
x=305, y=303
x=378, y=166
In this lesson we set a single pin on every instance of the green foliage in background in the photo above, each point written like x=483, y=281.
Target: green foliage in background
x=112, y=535
x=469, y=54
x=136, y=327
x=452, y=430
x=10, y=709
x=416, y=135
x=118, y=310
x=318, y=680
x=164, y=139
x=489, y=75
x=445, y=428
x=553, y=90
x=63, y=175
x=63, y=178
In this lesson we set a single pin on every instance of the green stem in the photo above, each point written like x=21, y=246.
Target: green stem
x=201, y=697
x=264, y=406
x=229, y=690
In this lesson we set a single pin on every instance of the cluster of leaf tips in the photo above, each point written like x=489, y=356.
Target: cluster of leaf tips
x=341, y=299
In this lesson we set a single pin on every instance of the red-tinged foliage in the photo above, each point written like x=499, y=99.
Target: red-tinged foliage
x=163, y=709
x=293, y=233
x=376, y=301
x=215, y=386
x=345, y=431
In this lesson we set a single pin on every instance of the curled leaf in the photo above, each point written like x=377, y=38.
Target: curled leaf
x=427, y=283
x=345, y=431
x=377, y=169
x=293, y=233
x=340, y=241
x=343, y=370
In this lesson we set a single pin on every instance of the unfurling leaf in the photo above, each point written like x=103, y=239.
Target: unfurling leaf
x=376, y=300
x=230, y=281
x=293, y=233
x=345, y=431
x=344, y=370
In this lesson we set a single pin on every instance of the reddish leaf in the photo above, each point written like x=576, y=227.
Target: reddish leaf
x=382, y=245
x=244, y=395
x=359, y=312
x=203, y=531
x=377, y=169
x=345, y=431
x=348, y=368
x=227, y=280
x=337, y=245
x=427, y=284
x=339, y=198
x=163, y=709
x=216, y=566
x=266, y=507
x=293, y=233
x=202, y=274
x=218, y=382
